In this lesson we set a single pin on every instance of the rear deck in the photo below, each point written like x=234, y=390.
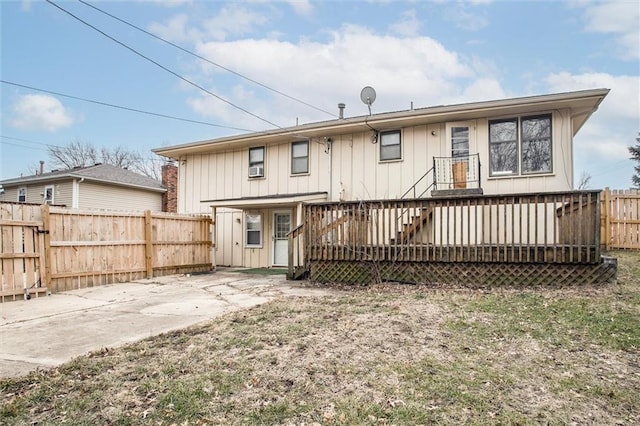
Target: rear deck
x=491, y=240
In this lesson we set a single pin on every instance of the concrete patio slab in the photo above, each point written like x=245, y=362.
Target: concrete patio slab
x=48, y=331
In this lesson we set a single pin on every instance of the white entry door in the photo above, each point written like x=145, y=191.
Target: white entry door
x=281, y=227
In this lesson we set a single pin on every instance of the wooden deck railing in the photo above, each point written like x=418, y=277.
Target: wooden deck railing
x=522, y=228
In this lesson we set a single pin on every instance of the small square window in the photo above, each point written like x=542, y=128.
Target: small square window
x=48, y=194
x=390, y=147
x=300, y=157
x=256, y=162
x=254, y=230
x=22, y=194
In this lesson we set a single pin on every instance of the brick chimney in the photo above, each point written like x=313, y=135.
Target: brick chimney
x=170, y=181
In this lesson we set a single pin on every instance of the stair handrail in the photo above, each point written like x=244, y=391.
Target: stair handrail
x=416, y=184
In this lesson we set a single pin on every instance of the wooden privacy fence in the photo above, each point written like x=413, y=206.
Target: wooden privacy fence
x=620, y=219
x=56, y=249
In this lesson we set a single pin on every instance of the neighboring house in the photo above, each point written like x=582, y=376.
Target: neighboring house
x=257, y=182
x=100, y=186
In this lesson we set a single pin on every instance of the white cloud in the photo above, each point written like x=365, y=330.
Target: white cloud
x=234, y=20
x=408, y=25
x=620, y=18
x=40, y=112
x=483, y=89
x=302, y=7
x=600, y=147
x=403, y=70
x=466, y=18
x=170, y=3
x=174, y=30
x=623, y=102
x=25, y=5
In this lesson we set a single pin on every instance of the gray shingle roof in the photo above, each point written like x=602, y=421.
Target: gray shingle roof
x=100, y=173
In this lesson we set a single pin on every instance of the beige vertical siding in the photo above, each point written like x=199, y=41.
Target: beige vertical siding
x=110, y=197
x=350, y=171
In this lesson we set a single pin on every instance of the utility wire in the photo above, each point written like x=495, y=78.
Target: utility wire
x=50, y=145
x=121, y=107
x=207, y=60
x=162, y=66
x=28, y=141
x=22, y=146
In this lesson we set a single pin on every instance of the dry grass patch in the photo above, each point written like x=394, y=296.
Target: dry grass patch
x=383, y=354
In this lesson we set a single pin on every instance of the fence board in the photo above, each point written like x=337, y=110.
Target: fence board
x=620, y=219
x=69, y=249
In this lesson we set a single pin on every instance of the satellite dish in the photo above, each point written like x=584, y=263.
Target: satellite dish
x=368, y=95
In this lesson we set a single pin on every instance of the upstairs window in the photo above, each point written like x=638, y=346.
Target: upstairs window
x=520, y=145
x=48, y=194
x=22, y=194
x=536, y=144
x=300, y=157
x=253, y=230
x=390, y=148
x=256, y=162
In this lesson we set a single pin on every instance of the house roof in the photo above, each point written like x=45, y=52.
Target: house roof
x=103, y=173
x=581, y=103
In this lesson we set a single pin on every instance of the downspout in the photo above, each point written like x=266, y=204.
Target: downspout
x=75, y=196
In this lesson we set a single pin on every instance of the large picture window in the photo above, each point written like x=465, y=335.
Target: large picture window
x=256, y=162
x=520, y=145
x=390, y=146
x=254, y=230
x=300, y=157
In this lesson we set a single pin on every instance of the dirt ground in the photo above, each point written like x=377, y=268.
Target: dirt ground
x=380, y=354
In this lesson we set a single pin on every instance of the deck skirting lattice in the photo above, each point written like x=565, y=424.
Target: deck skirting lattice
x=473, y=275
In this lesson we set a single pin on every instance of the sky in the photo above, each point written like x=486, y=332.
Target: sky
x=278, y=63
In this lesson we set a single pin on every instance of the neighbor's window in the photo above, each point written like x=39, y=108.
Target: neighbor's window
x=390, y=145
x=254, y=230
x=520, y=145
x=256, y=161
x=300, y=157
x=48, y=194
x=22, y=194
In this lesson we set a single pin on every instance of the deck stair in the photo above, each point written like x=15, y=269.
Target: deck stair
x=417, y=220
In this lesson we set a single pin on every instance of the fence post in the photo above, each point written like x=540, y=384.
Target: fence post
x=45, y=257
x=607, y=218
x=148, y=248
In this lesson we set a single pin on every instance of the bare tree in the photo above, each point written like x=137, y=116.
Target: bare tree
x=585, y=181
x=83, y=154
x=634, y=150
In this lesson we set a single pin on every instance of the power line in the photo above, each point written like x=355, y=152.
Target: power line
x=207, y=60
x=162, y=66
x=29, y=141
x=120, y=106
x=22, y=146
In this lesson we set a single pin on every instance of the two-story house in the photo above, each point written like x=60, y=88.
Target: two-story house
x=258, y=182
x=99, y=186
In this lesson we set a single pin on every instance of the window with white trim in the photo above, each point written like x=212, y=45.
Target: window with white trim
x=521, y=145
x=299, y=157
x=390, y=145
x=48, y=194
x=22, y=194
x=253, y=223
x=256, y=162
